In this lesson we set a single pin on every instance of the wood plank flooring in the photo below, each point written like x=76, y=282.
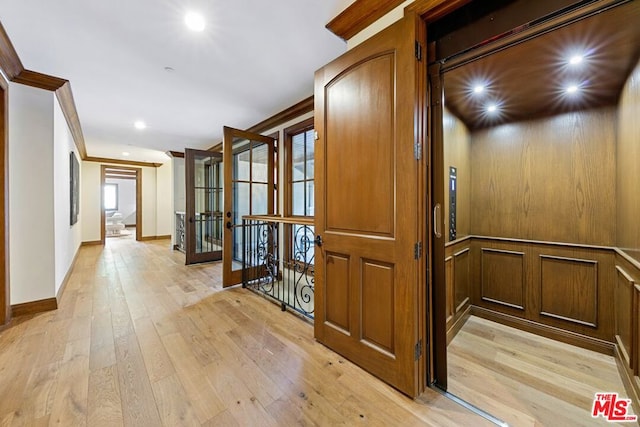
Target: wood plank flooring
x=141, y=340
x=525, y=379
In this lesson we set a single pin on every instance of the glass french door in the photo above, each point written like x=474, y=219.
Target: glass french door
x=249, y=178
x=204, y=203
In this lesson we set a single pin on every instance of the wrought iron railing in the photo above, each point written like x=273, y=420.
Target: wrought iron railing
x=277, y=260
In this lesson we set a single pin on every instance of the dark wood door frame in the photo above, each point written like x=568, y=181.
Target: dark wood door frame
x=230, y=276
x=5, y=296
x=193, y=257
x=138, y=178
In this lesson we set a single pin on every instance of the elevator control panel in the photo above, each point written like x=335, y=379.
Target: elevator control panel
x=453, y=188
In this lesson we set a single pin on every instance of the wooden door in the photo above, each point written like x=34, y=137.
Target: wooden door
x=367, y=287
x=249, y=190
x=203, y=222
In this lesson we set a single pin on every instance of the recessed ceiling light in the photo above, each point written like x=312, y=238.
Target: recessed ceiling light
x=139, y=124
x=492, y=108
x=194, y=21
x=478, y=89
x=572, y=88
x=125, y=153
x=576, y=59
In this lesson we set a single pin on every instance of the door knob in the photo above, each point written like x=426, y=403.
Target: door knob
x=318, y=240
x=229, y=225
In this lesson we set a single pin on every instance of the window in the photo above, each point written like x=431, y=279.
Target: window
x=110, y=201
x=299, y=141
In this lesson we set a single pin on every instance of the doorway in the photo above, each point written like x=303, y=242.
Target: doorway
x=204, y=203
x=249, y=183
x=121, y=203
x=527, y=149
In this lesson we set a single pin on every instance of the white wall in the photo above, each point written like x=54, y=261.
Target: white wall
x=67, y=237
x=126, y=199
x=164, y=206
x=149, y=202
x=90, y=201
x=31, y=194
x=179, y=201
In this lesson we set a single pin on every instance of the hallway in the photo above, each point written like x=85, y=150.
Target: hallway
x=140, y=339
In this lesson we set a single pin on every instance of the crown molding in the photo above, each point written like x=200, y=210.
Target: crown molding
x=359, y=15
x=122, y=162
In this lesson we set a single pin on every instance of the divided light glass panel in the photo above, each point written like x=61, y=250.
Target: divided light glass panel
x=208, y=204
x=250, y=186
x=302, y=185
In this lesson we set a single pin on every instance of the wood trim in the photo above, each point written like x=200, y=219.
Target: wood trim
x=119, y=172
x=626, y=375
x=68, y=106
x=9, y=60
x=297, y=110
x=67, y=276
x=34, y=307
x=62, y=89
x=175, y=154
x=626, y=356
x=541, y=242
x=216, y=148
x=91, y=243
x=458, y=324
x=111, y=176
x=276, y=170
x=5, y=308
x=626, y=275
x=436, y=8
x=122, y=162
x=457, y=241
x=359, y=15
x=14, y=70
x=546, y=331
x=631, y=260
x=161, y=237
x=39, y=80
x=103, y=174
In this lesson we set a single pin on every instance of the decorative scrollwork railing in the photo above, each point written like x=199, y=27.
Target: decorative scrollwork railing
x=282, y=272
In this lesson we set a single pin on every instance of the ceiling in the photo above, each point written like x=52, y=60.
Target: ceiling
x=254, y=59
x=530, y=79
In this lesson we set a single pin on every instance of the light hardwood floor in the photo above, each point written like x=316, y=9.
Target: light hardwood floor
x=525, y=379
x=141, y=340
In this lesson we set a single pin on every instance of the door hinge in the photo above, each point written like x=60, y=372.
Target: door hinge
x=418, y=51
x=275, y=187
x=417, y=352
x=417, y=250
x=275, y=149
x=417, y=150
x=315, y=135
